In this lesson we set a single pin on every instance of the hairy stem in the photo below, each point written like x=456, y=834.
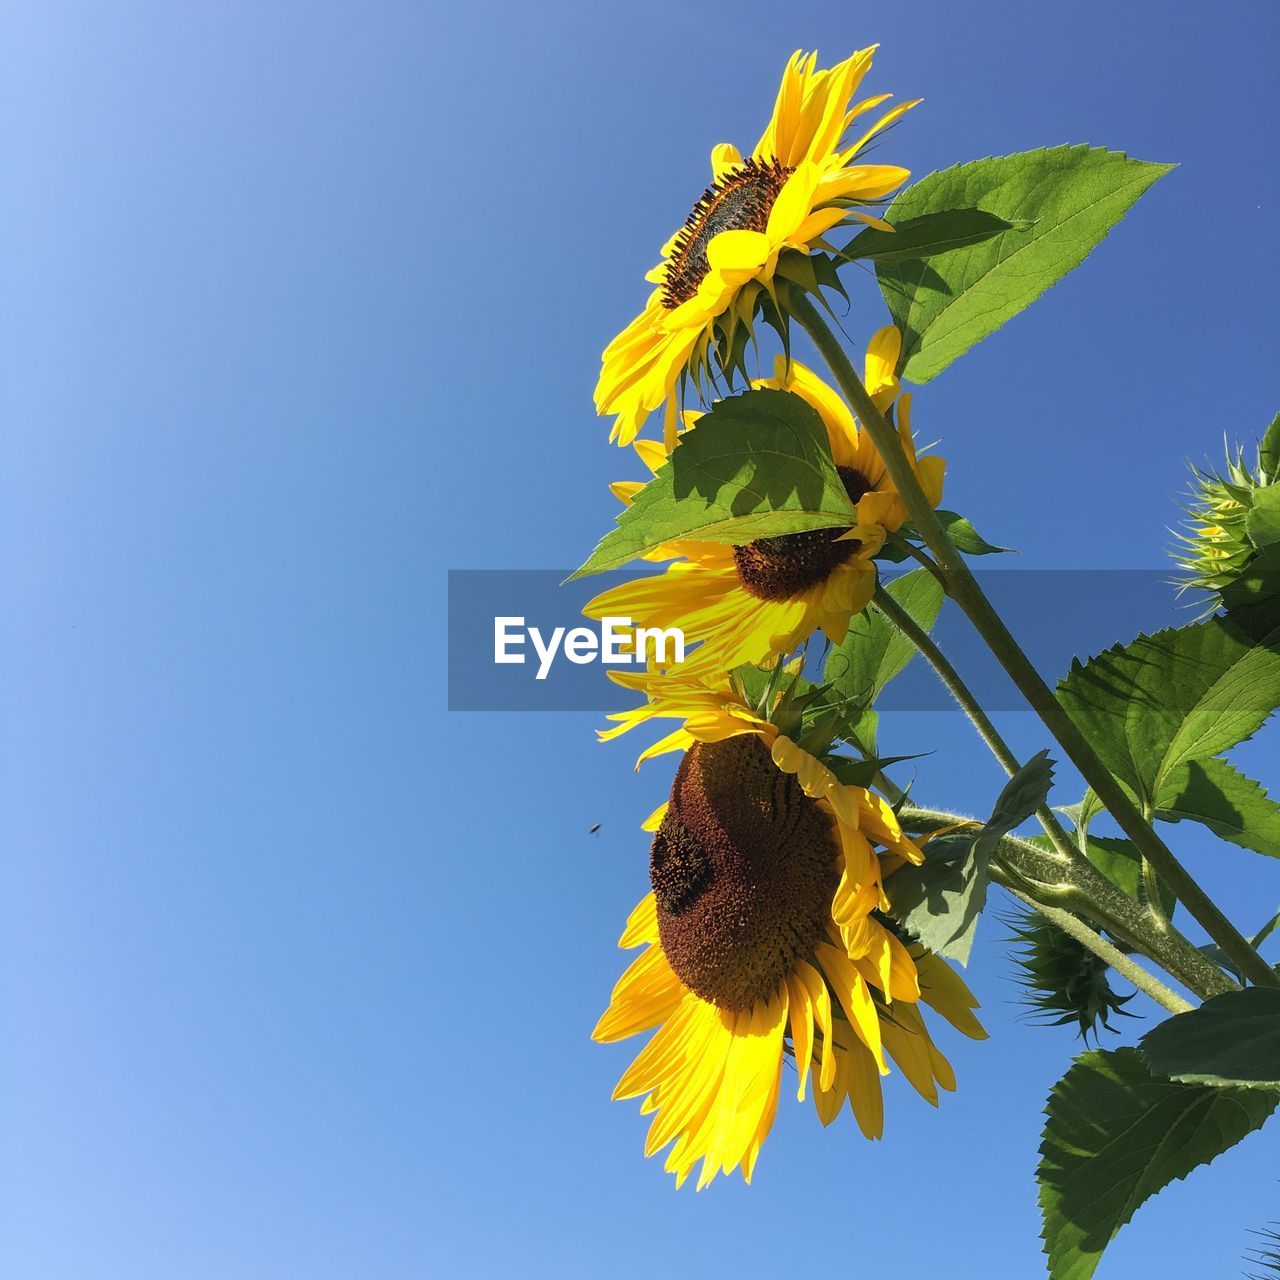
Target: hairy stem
x=964, y=589
x=1121, y=963
x=1081, y=888
x=963, y=695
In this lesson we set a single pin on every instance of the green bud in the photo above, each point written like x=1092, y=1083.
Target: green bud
x=1063, y=981
x=1230, y=548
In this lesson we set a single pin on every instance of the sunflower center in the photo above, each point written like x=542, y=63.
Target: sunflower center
x=781, y=568
x=739, y=200
x=743, y=868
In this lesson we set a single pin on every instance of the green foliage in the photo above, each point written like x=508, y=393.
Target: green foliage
x=1269, y=450
x=757, y=465
x=966, y=538
x=1233, y=806
x=1063, y=980
x=1083, y=814
x=1231, y=545
x=1115, y=1135
x=874, y=650
x=1265, y=1255
x=927, y=236
x=815, y=716
x=1070, y=196
x=1256, y=585
x=1159, y=712
x=1233, y=1039
x=939, y=902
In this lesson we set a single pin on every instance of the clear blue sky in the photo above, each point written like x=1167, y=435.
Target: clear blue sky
x=302, y=305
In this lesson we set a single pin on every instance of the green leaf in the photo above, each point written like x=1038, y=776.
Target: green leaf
x=961, y=532
x=863, y=729
x=1181, y=695
x=927, y=235
x=1262, y=527
x=1265, y=932
x=1269, y=451
x=1232, y=1039
x=1083, y=813
x=1023, y=794
x=940, y=901
x=874, y=650
x=756, y=466
x=862, y=773
x=1217, y=795
x=966, y=537
x=1115, y=1136
x=1072, y=196
x=1258, y=586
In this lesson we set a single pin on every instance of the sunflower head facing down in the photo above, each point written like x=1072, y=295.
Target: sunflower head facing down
x=742, y=605
x=763, y=940
x=760, y=213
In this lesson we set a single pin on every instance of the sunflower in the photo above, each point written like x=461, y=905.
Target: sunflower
x=743, y=604
x=762, y=939
x=1219, y=547
x=758, y=218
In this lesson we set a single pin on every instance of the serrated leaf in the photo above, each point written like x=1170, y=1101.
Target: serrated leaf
x=1023, y=794
x=1072, y=195
x=755, y=466
x=1232, y=1039
x=874, y=651
x=928, y=235
x=1115, y=1135
x=1181, y=695
x=1220, y=797
x=940, y=902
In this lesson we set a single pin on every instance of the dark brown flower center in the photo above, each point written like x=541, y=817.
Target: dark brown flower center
x=743, y=868
x=781, y=568
x=739, y=200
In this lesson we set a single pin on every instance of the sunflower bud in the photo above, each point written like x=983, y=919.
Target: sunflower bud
x=1063, y=981
x=1231, y=547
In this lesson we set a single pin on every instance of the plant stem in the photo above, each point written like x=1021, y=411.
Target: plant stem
x=963, y=695
x=964, y=589
x=1084, y=890
x=919, y=556
x=1095, y=942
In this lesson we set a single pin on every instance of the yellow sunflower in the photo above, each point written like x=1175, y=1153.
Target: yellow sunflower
x=759, y=212
x=742, y=604
x=761, y=942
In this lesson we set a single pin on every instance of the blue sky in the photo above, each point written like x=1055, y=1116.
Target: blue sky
x=302, y=306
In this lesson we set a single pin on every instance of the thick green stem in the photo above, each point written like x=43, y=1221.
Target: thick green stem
x=1082, y=889
x=964, y=589
x=1121, y=963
